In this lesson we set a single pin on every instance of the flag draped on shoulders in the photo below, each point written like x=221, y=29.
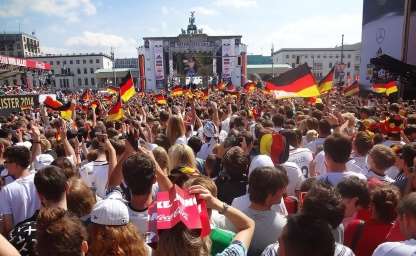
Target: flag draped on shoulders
x=127, y=88
x=326, y=84
x=297, y=82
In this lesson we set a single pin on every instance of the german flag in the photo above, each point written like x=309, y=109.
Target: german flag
x=86, y=95
x=112, y=90
x=160, y=99
x=352, y=89
x=116, y=111
x=314, y=100
x=387, y=88
x=188, y=93
x=177, y=91
x=297, y=82
x=94, y=104
x=108, y=98
x=127, y=88
x=325, y=85
x=250, y=87
x=65, y=110
x=205, y=94
x=221, y=86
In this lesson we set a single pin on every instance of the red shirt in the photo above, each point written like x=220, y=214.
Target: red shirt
x=363, y=214
x=373, y=234
x=395, y=235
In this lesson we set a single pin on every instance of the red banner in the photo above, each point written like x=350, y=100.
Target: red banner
x=28, y=63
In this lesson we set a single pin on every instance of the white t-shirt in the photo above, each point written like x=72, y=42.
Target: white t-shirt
x=95, y=174
x=336, y=177
x=403, y=248
x=302, y=157
x=205, y=150
x=320, y=168
x=243, y=202
x=181, y=140
x=140, y=220
x=315, y=145
x=390, y=143
x=19, y=199
x=295, y=177
x=358, y=164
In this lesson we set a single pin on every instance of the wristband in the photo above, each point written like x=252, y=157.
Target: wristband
x=225, y=207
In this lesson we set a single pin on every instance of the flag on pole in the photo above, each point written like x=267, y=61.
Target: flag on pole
x=65, y=110
x=297, y=82
x=352, y=90
x=325, y=85
x=127, y=88
x=387, y=88
x=94, y=104
x=112, y=90
x=86, y=95
x=116, y=111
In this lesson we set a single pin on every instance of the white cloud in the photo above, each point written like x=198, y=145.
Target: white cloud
x=317, y=31
x=70, y=10
x=201, y=10
x=236, y=3
x=215, y=31
x=101, y=42
x=55, y=50
x=165, y=10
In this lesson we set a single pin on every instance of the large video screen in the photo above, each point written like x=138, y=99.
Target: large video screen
x=192, y=64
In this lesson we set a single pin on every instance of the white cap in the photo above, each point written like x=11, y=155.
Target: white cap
x=260, y=161
x=26, y=144
x=110, y=212
x=42, y=160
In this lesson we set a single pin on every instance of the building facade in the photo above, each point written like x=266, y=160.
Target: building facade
x=322, y=60
x=192, y=58
x=76, y=71
x=19, y=45
x=126, y=63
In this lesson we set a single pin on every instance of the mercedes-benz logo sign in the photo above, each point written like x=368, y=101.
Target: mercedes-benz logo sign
x=380, y=35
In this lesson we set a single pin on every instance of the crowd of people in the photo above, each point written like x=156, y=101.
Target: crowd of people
x=284, y=177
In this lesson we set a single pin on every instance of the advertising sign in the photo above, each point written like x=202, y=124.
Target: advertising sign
x=227, y=58
x=16, y=103
x=158, y=51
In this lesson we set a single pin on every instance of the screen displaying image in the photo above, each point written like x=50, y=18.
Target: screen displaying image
x=192, y=64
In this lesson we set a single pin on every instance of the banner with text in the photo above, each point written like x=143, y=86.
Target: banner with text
x=158, y=51
x=16, y=103
x=227, y=58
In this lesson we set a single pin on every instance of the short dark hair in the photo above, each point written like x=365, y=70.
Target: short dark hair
x=51, y=182
x=235, y=162
x=264, y=181
x=164, y=116
x=278, y=120
x=139, y=173
x=324, y=127
x=408, y=205
x=162, y=141
x=385, y=199
x=291, y=137
x=382, y=156
x=351, y=187
x=324, y=202
x=363, y=143
x=67, y=167
x=338, y=148
x=19, y=155
x=307, y=235
x=195, y=143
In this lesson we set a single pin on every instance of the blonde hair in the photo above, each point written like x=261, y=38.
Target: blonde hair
x=181, y=155
x=162, y=158
x=175, y=128
x=115, y=241
x=80, y=198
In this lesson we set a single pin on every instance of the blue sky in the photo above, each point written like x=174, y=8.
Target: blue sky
x=66, y=26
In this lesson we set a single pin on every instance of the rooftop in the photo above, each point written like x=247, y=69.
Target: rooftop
x=258, y=66
x=49, y=55
x=14, y=33
x=347, y=47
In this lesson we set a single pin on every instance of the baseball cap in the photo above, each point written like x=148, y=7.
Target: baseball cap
x=209, y=130
x=260, y=161
x=110, y=212
x=42, y=160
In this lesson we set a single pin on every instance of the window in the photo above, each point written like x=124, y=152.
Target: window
x=79, y=81
x=336, y=56
x=293, y=56
x=97, y=61
x=293, y=65
x=287, y=56
x=84, y=61
x=330, y=56
x=349, y=56
x=319, y=56
x=86, y=81
x=306, y=56
x=348, y=74
x=91, y=70
x=348, y=65
x=85, y=71
x=91, y=61
x=71, y=62
x=57, y=62
x=77, y=61
x=324, y=56
x=92, y=81
x=51, y=62
x=64, y=62
x=330, y=65
x=78, y=71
